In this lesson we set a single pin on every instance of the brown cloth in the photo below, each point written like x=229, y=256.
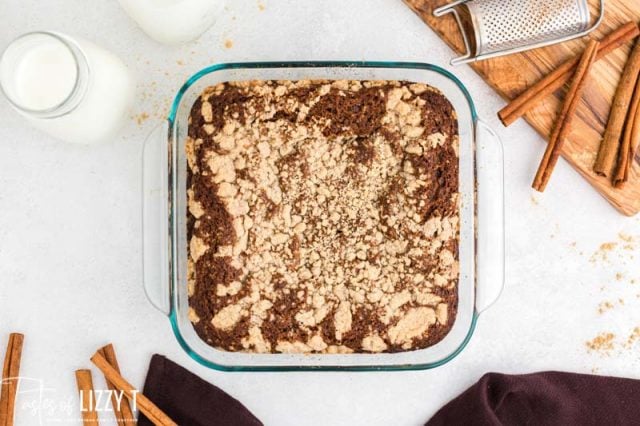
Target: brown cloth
x=189, y=400
x=549, y=398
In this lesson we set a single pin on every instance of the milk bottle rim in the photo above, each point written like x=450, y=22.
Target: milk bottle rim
x=18, y=47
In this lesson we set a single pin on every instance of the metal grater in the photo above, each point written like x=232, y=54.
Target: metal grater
x=493, y=28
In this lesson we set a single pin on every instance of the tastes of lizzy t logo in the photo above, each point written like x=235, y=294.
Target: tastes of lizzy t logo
x=38, y=404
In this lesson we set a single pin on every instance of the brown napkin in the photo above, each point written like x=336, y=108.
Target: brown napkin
x=548, y=398
x=189, y=400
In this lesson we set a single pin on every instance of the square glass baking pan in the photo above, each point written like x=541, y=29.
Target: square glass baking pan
x=481, y=247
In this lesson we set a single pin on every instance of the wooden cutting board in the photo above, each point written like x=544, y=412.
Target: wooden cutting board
x=510, y=75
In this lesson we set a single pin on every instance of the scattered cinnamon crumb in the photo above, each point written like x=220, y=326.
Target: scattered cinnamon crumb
x=608, y=246
x=625, y=237
x=603, y=252
x=573, y=244
x=141, y=118
x=602, y=343
x=633, y=338
x=619, y=276
x=180, y=62
x=604, y=307
x=628, y=242
x=261, y=6
x=228, y=44
x=534, y=201
x=608, y=305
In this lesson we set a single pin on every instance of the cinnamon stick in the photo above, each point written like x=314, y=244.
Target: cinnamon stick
x=10, y=377
x=630, y=140
x=87, y=397
x=150, y=410
x=610, y=145
x=563, y=124
x=561, y=75
x=121, y=408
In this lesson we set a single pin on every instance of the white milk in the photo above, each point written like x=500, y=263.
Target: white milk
x=37, y=93
x=173, y=21
x=69, y=88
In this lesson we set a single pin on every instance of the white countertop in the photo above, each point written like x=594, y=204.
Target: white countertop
x=70, y=234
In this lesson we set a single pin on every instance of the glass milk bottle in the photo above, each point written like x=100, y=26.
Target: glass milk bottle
x=173, y=21
x=67, y=87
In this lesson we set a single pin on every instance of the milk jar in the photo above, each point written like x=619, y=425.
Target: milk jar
x=67, y=87
x=173, y=21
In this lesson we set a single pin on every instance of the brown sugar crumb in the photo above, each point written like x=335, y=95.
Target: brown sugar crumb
x=323, y=216
x=602, y=343
x=228, y=44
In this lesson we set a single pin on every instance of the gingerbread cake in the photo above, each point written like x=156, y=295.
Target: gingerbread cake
x=323, y=216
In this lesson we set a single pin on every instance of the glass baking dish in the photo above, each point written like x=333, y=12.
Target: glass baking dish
x=481, y=247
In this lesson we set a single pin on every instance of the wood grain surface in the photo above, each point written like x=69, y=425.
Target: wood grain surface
x=510, y=75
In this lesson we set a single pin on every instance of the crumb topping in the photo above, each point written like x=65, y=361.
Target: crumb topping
x=323, y=216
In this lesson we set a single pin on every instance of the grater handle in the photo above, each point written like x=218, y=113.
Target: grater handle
x=490, y=239
x=452, y=8
x=155, y=219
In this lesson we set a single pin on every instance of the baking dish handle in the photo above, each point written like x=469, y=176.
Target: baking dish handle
x=490, y=245
x=155, y=219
